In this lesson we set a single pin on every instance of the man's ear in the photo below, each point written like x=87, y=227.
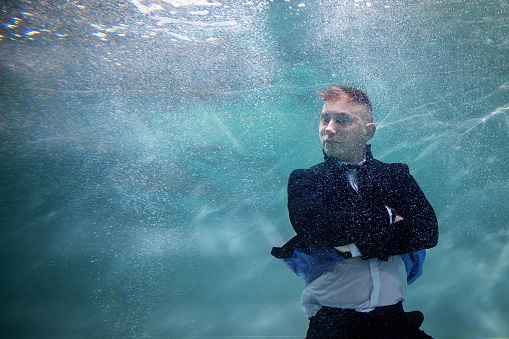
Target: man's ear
x=370, y=129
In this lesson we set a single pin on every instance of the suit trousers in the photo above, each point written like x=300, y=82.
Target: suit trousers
x=386, y=322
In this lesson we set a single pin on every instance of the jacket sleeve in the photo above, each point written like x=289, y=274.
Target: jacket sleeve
x=315, y=225
x=418, y=230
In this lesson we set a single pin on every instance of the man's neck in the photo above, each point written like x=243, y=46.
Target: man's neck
x=352, y=159
x=365, y=155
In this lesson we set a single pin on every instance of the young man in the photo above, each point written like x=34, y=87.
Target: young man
x=361, y=225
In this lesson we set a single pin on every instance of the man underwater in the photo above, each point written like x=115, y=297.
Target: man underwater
x=362, y=226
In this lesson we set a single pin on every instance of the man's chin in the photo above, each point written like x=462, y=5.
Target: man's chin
x=331, y=152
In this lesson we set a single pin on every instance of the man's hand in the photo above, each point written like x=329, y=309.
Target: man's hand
x=398, y=218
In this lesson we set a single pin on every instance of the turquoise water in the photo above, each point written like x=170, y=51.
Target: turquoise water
x=145, y=148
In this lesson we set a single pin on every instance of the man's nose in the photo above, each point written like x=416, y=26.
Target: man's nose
x=331, y=127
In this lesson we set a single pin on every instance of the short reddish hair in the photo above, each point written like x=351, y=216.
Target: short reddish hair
x=349, y=94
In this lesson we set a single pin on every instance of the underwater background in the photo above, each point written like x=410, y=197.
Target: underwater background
x=145, y=148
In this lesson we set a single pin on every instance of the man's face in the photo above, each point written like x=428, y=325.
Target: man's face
x=344, y=131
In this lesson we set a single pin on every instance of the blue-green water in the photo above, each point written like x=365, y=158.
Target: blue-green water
x=145, y=148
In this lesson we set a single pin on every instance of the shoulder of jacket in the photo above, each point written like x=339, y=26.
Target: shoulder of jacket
x=394, y=168
x=308, y=172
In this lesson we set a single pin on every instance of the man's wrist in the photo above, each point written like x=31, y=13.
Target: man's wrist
x=349, y=249
x=344, y=248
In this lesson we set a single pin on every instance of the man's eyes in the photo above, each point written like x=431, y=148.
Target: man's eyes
x=341, y=120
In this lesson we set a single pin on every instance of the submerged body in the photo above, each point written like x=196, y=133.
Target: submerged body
x=367, y=211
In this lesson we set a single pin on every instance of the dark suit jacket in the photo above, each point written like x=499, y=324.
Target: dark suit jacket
x=325, y=211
